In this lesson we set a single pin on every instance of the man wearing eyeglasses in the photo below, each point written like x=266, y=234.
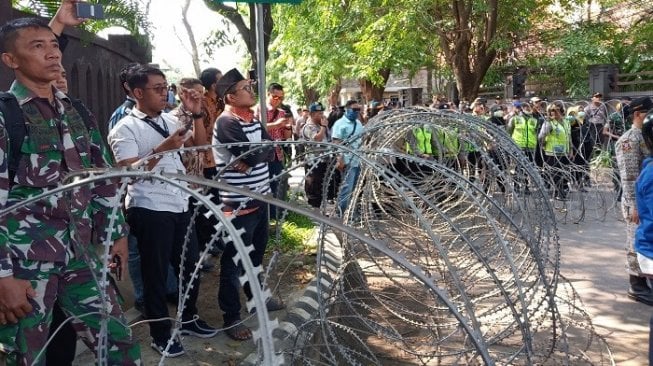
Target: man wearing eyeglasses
x=348, y=129
x=240, y=167
x=158, y=213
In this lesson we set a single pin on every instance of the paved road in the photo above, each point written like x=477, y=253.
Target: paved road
x=593, y=260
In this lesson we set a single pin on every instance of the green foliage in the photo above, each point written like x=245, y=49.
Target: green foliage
x=295, y=232
x=117, y=13
x=320, y=42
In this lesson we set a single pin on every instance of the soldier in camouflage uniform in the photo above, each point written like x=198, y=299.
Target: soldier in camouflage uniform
x=630, y=152
x=45, y=247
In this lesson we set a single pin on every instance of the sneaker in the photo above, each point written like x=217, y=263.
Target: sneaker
x=198, y=328
x=175, y=349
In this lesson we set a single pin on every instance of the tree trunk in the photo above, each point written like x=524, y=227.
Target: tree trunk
x=371, y=91
x=469, y=55
x=334, y=94
x=194, y=54
x=247, y=31
x=310, y=95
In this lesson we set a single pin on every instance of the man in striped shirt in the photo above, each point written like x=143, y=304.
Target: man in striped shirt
x=237, y=125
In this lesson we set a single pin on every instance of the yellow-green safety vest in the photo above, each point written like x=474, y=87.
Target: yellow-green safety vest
x=557, y=141
x=423, y=137
x=524, y=133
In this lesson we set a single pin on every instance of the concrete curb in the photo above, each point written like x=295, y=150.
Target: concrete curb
x=307, y=305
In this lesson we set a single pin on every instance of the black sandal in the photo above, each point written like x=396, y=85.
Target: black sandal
x=238, y=331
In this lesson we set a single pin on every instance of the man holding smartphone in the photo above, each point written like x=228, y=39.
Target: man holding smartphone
x=158, y=213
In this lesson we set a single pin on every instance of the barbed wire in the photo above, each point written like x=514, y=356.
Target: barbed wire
x=440, y=259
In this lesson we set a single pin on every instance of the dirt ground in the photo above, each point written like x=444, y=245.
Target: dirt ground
x=289, y=275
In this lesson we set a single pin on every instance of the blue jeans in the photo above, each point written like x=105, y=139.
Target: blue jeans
x=137, y=277
x=348, y=184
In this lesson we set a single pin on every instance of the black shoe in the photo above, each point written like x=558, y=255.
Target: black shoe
x=175, y=349
x=645, y=297
x=272, y=305
x=198, y=328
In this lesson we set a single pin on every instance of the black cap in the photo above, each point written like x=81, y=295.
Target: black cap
x=228, y=80
x=643, y=104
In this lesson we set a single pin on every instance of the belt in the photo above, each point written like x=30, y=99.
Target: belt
x=244, y=211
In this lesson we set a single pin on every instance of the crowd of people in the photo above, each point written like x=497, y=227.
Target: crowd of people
x=47, y=261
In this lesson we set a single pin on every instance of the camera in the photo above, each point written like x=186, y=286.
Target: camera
x=89, y=11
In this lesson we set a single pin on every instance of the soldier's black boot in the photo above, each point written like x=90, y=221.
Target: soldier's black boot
x=639, y=290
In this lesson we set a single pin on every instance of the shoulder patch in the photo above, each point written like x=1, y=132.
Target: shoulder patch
x=625, y=145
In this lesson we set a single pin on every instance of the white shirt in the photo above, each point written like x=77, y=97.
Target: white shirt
x=134, y=138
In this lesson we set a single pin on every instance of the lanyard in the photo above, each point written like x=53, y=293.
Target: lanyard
x=162, y=131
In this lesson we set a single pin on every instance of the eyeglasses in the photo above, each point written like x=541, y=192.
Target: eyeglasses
x=356, y=109
x=248, y=88
x=277, y=97
x=158, y=88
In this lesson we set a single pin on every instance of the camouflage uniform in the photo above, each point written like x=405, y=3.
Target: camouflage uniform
x=49, y=242
x=630, y=150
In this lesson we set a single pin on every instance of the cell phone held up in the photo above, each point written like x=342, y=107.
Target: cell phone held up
x=89, y=11
x=116, y=269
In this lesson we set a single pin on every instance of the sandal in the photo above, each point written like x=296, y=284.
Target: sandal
x=238, y=331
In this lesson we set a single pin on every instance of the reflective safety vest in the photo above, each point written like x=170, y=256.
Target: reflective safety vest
x=524, y=133
x=557, y=141
x=448, y=141
x=423, y=139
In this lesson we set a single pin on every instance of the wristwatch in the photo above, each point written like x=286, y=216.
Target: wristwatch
x=197, y=115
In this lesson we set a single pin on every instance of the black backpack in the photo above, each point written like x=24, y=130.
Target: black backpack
x=16, y=130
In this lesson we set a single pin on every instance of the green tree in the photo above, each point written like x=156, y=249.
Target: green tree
x=319, y=43
x=243, y=17
x=117, y=13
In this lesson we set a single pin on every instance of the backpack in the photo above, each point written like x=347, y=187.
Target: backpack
x=16, y=130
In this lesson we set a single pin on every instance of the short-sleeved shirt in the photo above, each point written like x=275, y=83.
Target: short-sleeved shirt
x=630, y=151
x=308, y=132
x=134, y=138
x=345, y=129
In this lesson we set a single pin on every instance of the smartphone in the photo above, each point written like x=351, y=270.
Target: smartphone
x=252, y=75
x=89, y=11
x=117, y=269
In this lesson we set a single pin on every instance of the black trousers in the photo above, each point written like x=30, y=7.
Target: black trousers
x=255, y=227
x=160, y=236
x=61, y=350
x=560, y=168
x=314, y=183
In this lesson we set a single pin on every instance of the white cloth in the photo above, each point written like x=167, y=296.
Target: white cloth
x=132, y=137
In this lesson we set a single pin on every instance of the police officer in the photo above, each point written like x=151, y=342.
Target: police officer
x=522, y=127
x=556, y=141
x=630, y=152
